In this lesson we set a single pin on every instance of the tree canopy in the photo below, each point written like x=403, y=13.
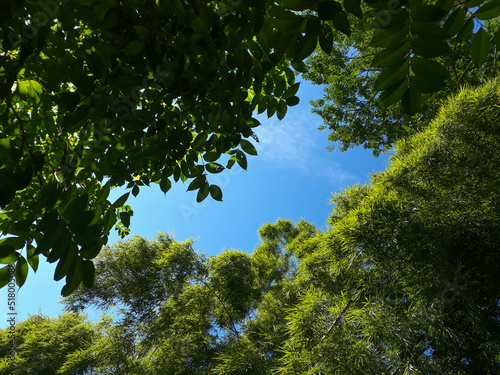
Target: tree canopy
x=352, y=108
x=403, y=281
x=103, y=94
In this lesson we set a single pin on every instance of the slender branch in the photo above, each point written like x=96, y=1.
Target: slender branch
x=337, y=320
x=369, y=101
x=464, y=72
x=233, y=325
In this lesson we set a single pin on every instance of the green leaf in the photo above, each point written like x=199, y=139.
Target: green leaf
x=100, y=10
x=103, y=193
x=197, y=183
x=88, y=272
x=73, y=279
x=48, y=222
x=472, y=3
x=292, y=101
x=282, y=108
x=4, y=276
x=392, y=75
x=14, y=242
x=33, y=258
x=496, y=38
x=392, y=37
x=134, y=47
x=299, y=66
x=248, y=147
x=81, y=222
x=60, y=247
x=125, y=218
x=23, y=87
x=327, y=10
x=203, y=193
x=466, y=30
x=455, y=21
x=263, y=103
x=6, y=251
x=4, y=148
x=90, y=252
x=353, y=7
x=231, y=162
x=428, y=47
x=412, y=101
x=23, y=225
x=21, y=271
x=299, y=4
x=216, y=192
x=241, y=159
x=480, y=47
x=67, y=101
x=135, y=190
x=390, y=56
x=142, y=31
x=326, y=39
x=291, y=91
x=272, y=107
x=287, y=22
x=306, y=46
x=75, y=207
x=430, y=75
x=11, y=258
x=64, y=264
x=425, y=12
x=120, y=201
x=211, y=156
x=393, y=94
x=214, y=168
x=428, y=29
x=489, y=10
x=341, y=23
x=165, y=185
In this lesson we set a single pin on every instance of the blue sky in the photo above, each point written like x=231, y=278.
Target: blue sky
x=293, y=177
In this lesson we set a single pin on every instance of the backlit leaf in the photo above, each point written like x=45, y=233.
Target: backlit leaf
x=21, y=271
x=248, y=147
x=120, y=201
x=412, y=101
x=480, y=47
x=203, y=193
x=393, y=94
x=392, y=75
x=489, y=10
x=354, y=7
x=216, y=192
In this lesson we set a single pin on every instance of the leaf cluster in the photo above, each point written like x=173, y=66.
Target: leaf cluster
x=411, y=53
x=404, y=279
x=102, y=94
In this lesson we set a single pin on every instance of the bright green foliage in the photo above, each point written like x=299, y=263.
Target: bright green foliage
x=170, y=297
x=102, y=94
x=404, y=280
x=407, y=58
x=97, y=95
x=46, y=345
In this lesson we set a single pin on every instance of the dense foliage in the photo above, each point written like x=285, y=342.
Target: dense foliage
x=101, y=94
x=404, y=281
x=352, y=109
